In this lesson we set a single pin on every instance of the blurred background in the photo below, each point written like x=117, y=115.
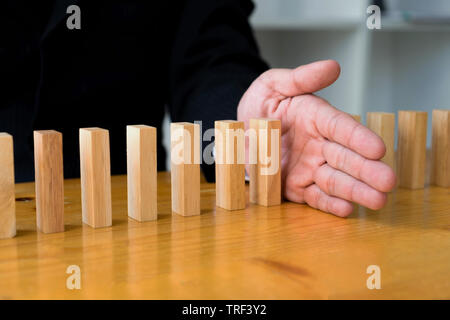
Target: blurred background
x=404, y=65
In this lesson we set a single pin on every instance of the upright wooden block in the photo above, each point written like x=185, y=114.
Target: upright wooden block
x=412, y=140
x=95, y=177
x=49, y=178
x=7, y=189
x=142, y=173
x=357, y=117
x=230, y=164
x=265, y=161
x=440, y=165
x=185, y=168
x=383, y=124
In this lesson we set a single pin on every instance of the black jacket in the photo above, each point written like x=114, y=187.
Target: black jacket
x=129, y=60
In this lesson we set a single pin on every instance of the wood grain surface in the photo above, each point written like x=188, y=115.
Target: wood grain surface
x=281, y=252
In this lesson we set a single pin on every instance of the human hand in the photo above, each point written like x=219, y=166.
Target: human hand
x=328, y=159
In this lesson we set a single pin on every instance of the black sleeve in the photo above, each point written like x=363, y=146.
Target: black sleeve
x=214, y=60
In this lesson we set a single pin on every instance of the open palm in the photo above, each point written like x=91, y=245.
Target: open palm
x=328, y=159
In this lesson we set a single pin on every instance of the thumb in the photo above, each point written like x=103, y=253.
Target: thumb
x=305, y=79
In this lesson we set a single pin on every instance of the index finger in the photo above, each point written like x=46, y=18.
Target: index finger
x=340, y=127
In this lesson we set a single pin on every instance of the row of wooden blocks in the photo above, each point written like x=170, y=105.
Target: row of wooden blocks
x=265, y=189
x=141, y=173
x=412, y=145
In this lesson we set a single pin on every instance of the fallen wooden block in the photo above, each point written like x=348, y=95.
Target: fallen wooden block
x=49, y=181
x=142, y=173
x=383, y=124
x=7, y=188
x=185, y=168
x=412, y=139
x=265, y=161
x=440, y=154
x=95, y=177
x=230, y=164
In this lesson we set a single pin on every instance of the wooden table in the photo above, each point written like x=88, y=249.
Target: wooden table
x=285, y=252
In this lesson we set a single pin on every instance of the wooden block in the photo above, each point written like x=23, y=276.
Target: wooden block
x=185, y=168
x=7, y=188
x=356, y=117
x=383, y=124
x=265, y=162
x=412, y=140
x=49, y=181
x=440, y=153
x=95, y=177
x=142, y=173
x=230, y=164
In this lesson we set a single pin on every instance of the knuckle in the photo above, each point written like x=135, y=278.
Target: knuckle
x=331, y=183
